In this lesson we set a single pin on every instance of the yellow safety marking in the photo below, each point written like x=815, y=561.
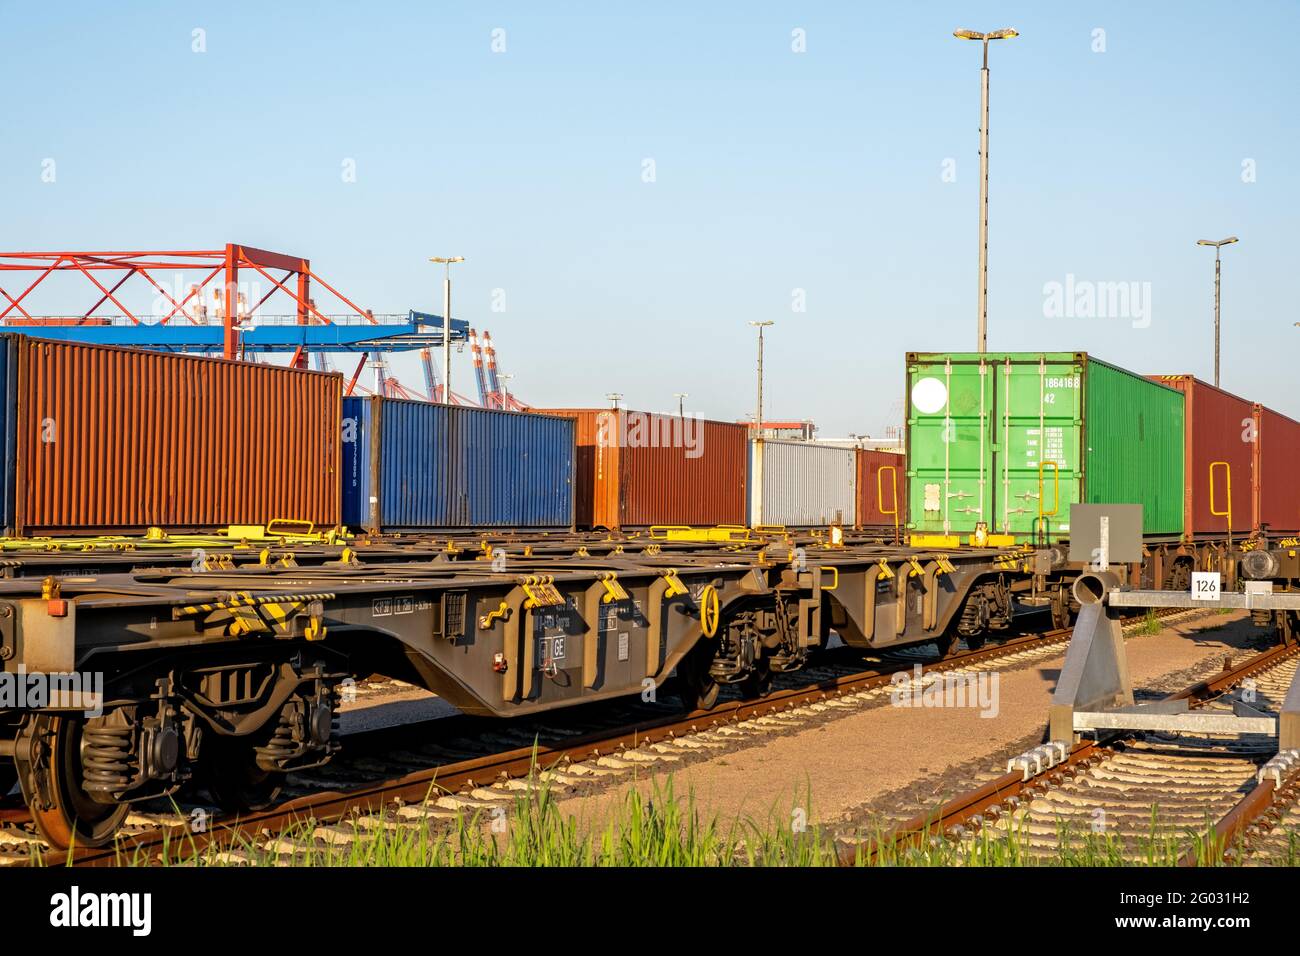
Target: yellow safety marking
x=916, y=568
x=935, y=541
x=675, y=586
x=885, y=570
x=710, y=611
x=294, y=526
x=613, y=590
x=246, y=599
x=945, y=565
x=688, y=533
x=1056, y=488
x=491, y=617
x=248, y=614
x=541, y=591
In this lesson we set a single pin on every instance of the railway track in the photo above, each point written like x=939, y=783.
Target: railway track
x=1201, y=799
x=434, y=770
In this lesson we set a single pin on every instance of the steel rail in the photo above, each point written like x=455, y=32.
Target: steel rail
x=963, y=808
x=332, y=806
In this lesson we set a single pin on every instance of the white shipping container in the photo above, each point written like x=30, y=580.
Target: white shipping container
x=801, y=484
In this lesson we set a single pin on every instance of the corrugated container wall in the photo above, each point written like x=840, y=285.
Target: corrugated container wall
x=1010, y=439
x=637, y=469
x=114, y=439
x=8, y=422
x=803, y=485
x=1219, y=428
x=440, y=466
x=881, y=492
x=1279, y=471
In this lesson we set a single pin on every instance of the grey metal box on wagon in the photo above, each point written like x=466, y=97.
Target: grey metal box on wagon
x=1124, y=542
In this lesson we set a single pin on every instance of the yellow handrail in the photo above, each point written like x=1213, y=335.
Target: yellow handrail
x=880, y=493
x=1227, y=469
x=1056, y=488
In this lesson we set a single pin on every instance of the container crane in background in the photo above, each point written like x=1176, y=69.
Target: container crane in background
x=431, y=386
x=497, y=396
x=477, y=354
x=218, y=316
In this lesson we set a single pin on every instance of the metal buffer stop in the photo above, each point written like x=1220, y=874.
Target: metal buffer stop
x=1095, y=693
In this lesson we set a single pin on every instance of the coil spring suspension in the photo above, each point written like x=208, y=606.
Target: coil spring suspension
x=107, y=757
x=281, y=746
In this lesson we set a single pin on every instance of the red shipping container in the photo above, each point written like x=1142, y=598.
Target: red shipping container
x=873, y=510
x=636, y=469
x=1278, y=444
x=1219, y=434
x=117, y=439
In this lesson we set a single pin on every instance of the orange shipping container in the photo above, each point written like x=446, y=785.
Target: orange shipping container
x=1278, y=447
x=636, y=469
x=874, y=510
x=116, y=439
x=1220, y=450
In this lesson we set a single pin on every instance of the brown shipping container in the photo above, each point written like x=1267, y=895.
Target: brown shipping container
x=636, y=469
x=1218, y=427
x=1278, y=441
x=115, y=439
x=870, y=484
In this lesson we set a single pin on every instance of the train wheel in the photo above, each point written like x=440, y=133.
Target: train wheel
x=229, y=772
x=76, y=817
x=698, y=689
x=8, y=778
x=758, y=682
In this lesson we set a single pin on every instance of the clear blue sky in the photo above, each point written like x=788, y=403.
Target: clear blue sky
x=775, y=171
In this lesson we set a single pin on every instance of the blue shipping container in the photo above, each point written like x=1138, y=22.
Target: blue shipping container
x=414, y=466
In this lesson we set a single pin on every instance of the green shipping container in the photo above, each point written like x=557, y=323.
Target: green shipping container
x=1012, y=439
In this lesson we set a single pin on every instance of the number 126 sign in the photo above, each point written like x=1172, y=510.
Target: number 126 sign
x=1205, y=585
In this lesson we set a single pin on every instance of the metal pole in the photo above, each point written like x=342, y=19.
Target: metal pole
x=758, y=420
x=984, y=203
x=1216, y=316
x=446, y=336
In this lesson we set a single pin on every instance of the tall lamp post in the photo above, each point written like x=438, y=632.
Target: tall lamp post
x=681, y=403
x=758, y=416
x=447, y=262
x=756, y=489
x=1004, y=34
x=1217, y=246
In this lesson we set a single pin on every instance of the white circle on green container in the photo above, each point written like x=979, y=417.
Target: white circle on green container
x=929, y=395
